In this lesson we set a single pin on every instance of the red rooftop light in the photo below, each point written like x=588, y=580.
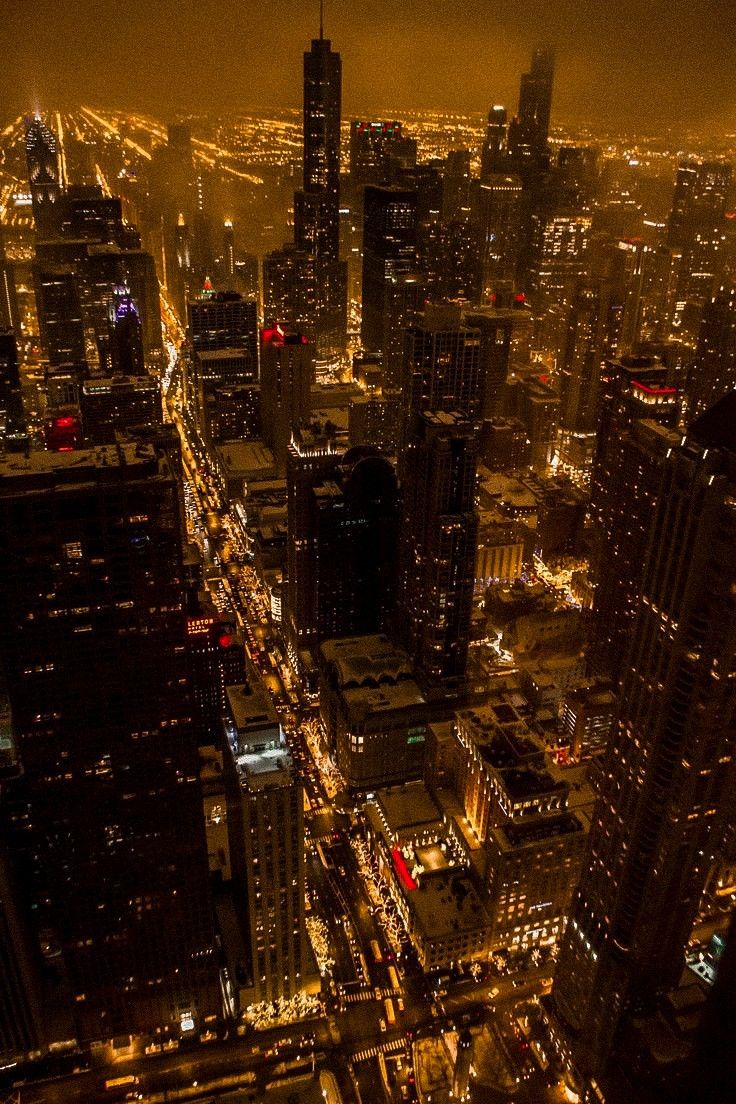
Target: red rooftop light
x=653, y=390
x=403, y=870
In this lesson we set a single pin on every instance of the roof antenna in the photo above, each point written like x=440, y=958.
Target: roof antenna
x=321, y=19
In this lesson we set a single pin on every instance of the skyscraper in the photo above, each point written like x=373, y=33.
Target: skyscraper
x=342, y=521
x=287, y=372
x=93, y=641
x=529, y=131
x=713, y=372
x=43, y=173
x=317, y=205
x=126, y=335
x=666, y=786
x=581, y=364
x=224, y=320
x=442, y=363
x=494, y=146
x=438, y=543
x=496, y=217
x=639, y=412
x=13, y=430
x=389, y=251
x=697, y=227
x=266, y=828
x=321, y=155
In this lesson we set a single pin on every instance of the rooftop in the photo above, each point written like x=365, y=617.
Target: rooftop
x=446, y=904
x=58, y=469
x=248, y=458
x=407, y=807
x=517, y=834
x=366, y=661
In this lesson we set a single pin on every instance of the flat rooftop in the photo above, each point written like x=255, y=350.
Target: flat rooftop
x=445, y=904
x=251, y=707
x=407, y=808
x=517, y=834
x=57, y=469
x=249, y=458
x=367, y=661
x=261, y=770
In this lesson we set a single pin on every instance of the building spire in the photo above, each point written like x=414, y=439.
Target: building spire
x=321, y=19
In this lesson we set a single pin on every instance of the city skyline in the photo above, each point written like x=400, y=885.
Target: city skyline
x=616, y=62
x=367, y=583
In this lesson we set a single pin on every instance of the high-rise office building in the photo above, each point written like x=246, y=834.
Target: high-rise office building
x=43, y=173
x=666, y=785
x=584, y=351
x=291, y=292
x=224, y=320
x=529, y=131
x=713, y=371
x=321, y=154
x=60, y=318
x=228, y=249
x=697, y=227
x=438, y=543
x=216, y=654
x=126, y=335
x=494, y=146
x=639, y=413
x=13, y=429
x=389, y=251
x=287, y=373
x=496, y=217
x=93, y=642
x=496, y=329
x=356, y=528
x=266, y=830
x=342, y=523
x=112, y=404
x=442, y=363
x=456, y=184
x=373, y=146
x=9, y=315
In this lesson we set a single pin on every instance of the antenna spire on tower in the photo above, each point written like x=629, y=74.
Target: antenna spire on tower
x=321, y=19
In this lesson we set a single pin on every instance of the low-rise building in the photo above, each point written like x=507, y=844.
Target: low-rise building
x=373, y=710
x=424, y=857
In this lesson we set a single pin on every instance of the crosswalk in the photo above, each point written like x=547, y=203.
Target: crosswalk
x=367, y=995
x=392, y=1047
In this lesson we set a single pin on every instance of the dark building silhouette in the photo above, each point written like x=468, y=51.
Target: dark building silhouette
x=373, y=147
x=389, y=251
x=23, y=1027
x=93, y=641
x=494, y=147
x=438, y=543
x=287, y=373
x=713, y=372
x=529, y=131
x=342, y=523
x=126, y=335
x=639, y=413
x=43, y=173
x=13, y=430
x=666, y=786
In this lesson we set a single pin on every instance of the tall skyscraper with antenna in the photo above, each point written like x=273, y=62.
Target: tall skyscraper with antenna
x=317, y=204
